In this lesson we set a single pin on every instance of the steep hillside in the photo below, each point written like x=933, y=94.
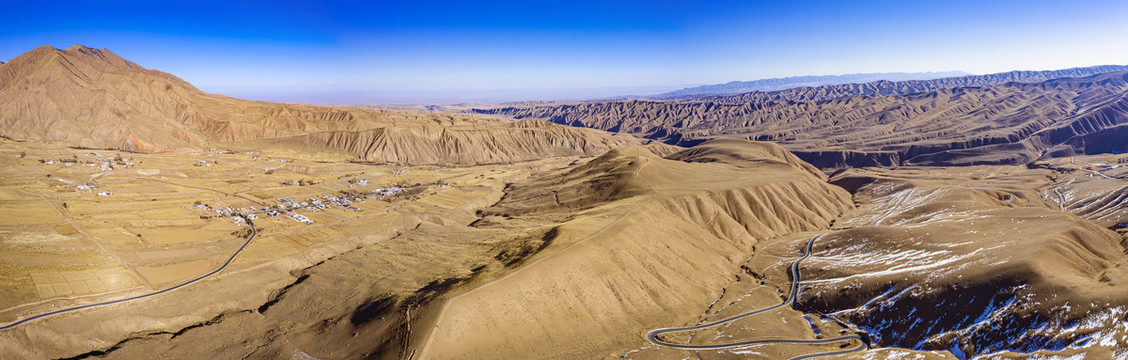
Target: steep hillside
x=1006, y=124
x=640, y=240
x=94, y=98
x=969, y=268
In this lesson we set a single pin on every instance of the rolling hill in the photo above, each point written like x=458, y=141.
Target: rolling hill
x=601, y=282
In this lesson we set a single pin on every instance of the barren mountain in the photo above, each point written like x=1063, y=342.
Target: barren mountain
x=93, y=98
x=1013, y=123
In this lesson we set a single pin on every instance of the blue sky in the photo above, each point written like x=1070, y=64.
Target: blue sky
x=434, y=51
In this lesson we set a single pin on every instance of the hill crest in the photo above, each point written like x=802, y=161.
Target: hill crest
x=94, y=98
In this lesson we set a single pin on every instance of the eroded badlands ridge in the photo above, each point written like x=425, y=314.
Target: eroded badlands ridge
x=1011, y=123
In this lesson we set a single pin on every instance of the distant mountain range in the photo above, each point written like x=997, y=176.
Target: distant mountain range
x=887, y=88
x=1007, y=118
x=775, y=84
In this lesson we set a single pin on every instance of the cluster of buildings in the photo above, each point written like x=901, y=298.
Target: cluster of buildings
x=301, y=182
x=208, y=211
x=86, y=188
x=287, y=206
x=388, y=191
x=103, y=162
x=301, y=218
x=341, y=200
x=353, y=183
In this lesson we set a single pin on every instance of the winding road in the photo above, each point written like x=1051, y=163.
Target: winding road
x=1061, y=199
x=793, y=273
x=254, y=233
x=895, y=206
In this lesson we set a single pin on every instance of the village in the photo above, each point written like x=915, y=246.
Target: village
x=286, y=207
x=118, y=222
x=103, y=162
x=282, y=207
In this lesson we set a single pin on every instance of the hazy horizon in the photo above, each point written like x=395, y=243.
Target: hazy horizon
x=439, y=51
x=445, y=97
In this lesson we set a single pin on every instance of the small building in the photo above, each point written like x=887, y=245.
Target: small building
x=301, y=218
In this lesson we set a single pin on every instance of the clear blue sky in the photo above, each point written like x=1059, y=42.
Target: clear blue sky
x=406, y=51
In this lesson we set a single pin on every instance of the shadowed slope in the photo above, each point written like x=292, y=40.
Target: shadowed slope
x=641, y=240
x=968, y=268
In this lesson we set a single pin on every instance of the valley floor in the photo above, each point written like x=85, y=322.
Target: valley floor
x=557, y=258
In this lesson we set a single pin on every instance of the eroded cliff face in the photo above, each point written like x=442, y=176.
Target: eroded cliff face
x=1012, y=123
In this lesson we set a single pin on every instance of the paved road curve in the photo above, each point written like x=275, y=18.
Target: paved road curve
x=254, y=233
x=793, y=273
